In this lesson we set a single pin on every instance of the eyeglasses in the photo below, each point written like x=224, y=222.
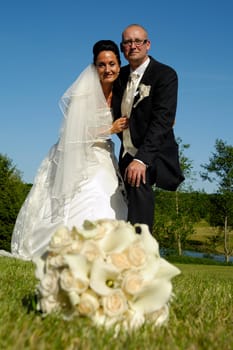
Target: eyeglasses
x=137, y=42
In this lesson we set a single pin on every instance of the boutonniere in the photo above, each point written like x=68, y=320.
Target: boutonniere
x=144, y=91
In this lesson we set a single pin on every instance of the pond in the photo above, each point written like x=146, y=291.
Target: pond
x=194, y=254
x=217, y=257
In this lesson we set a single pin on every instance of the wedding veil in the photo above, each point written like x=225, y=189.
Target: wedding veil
x=87, y=119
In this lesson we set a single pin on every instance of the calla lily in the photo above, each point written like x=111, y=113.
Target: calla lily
x=89, y=230
x=158, y=268
x=149, y=242
x=166, y=270
x=103, y=276
x=153, y=297
x=78, y=265
x=119, y=239
x=150, y=270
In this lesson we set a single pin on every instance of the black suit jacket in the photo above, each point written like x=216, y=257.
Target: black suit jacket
x=151, y=122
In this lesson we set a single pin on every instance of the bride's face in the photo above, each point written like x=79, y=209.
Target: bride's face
x=107, y=66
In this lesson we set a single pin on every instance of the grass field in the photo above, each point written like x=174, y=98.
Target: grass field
x=201, y=315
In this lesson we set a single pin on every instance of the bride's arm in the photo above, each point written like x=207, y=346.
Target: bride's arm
x=119, y=125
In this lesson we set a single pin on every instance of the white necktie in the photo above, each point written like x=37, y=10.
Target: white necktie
x=128, y=96
x=126, y=106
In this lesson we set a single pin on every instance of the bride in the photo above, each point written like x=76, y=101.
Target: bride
x=79, y=178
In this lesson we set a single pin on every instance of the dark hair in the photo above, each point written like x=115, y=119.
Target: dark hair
x=105, y=45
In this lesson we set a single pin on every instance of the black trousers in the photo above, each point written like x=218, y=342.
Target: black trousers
x=141, y=200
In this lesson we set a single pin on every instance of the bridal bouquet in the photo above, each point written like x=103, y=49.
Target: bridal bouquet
x=108, y=270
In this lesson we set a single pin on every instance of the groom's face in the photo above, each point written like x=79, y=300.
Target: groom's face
x=135, y=45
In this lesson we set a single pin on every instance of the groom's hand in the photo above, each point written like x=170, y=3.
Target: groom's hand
x=135, y=173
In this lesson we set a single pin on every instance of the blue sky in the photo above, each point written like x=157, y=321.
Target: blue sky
x=45, y=45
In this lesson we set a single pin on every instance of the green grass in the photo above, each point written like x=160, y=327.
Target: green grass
x=201, y=315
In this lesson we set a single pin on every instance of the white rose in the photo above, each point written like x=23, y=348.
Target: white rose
x=132, y=283
x=60, y=240
x=120, y=260
x=136, y=255
x=91, y=250
x=49, y=283
x=70, y=283
x=144, y=91
x=114, y=304
x=49, y=304
x=88, y=304
x=55, y=261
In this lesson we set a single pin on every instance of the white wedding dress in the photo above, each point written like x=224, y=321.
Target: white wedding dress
x=79, y=179
x=99, y=196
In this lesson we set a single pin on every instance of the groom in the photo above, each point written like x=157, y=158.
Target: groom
x=149, y=152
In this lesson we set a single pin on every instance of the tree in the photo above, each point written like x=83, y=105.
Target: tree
x=186, y=166
x=12, y=194
x=182, y=226
x=220, y=170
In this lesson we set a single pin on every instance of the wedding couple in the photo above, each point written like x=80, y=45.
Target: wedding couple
x=79, y=179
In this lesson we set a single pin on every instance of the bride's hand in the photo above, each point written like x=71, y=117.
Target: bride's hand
x=119, y=125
